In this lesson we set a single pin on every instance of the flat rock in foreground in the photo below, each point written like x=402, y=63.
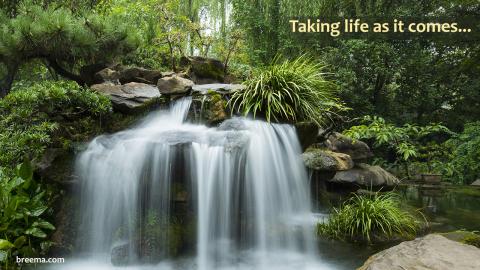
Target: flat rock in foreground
x=433, y=252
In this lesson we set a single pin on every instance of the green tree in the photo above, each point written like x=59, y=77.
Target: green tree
x=67, y=43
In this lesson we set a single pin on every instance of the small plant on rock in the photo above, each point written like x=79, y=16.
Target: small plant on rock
x=369, y=217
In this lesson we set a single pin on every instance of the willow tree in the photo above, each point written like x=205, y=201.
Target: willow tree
x=67, y=43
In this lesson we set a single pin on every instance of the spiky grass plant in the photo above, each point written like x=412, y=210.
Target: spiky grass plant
x=288, y=91
x=363, y=218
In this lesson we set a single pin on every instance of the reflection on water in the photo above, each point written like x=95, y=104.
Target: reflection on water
x=447, y=208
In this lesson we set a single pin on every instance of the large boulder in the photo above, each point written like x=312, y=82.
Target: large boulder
x=204, y=70
x=174, y=85
x=433, y=252
x=324, y=160
x=338, y=142
x=131, y=97
x=365, y=175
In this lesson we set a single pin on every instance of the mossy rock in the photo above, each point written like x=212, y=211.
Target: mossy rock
x=465, y=237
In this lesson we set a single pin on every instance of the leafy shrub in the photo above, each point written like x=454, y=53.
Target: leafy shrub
x=466, y=154
x=289, y=90
x=363, y=218
x=46, y=114
x=23, y=205
x=408, y=141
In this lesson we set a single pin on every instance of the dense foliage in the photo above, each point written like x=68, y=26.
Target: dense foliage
x=289, y=90
x=465, y=159
x=24, y=205
x=369, y=218
x=46, y=114
x=409, y=141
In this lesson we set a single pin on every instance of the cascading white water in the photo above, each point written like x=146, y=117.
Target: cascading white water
x=249, y=190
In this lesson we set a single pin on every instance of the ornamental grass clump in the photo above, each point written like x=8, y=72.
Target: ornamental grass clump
x=288, y=91
x=370, y=218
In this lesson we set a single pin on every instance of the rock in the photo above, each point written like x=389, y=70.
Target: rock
x=365, y=175
x=220, y=88
x=57, y=166
x=120, y=255
x=88, y=72
x=324, y=160
x=476, y=183
x=141, y=75
x=357, y=150
x=204, y=70
x=235, y=124
x=174, y=85
x=433, y=252
x=209, y=109
x=131, y=97
x=121, y=75
x=107, y=75
x=306, y=132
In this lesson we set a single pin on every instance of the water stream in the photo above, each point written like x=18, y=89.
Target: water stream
x=246, y=186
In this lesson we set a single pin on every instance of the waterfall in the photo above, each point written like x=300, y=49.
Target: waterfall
x=247, y=192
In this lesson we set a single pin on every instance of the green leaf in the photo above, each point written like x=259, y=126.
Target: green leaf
x=43, y=224
x=37, y=211
x=25, y=171
x=20, y=241
x=5, y=244
x=36, y=232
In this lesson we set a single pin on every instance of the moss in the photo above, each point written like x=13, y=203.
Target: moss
x=465, y=237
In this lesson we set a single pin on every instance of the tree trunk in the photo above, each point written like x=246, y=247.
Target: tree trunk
x=7, y=81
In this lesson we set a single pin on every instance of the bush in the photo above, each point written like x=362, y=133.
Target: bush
x=364, y=218
x=47, y=114
x=465, y=158
x=23, y=207
x=292, y=90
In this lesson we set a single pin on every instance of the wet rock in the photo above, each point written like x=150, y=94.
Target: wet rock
x=131, y=97
x=209, y=109
x=120, y=255
x=234, y=124
x=204, y=70
x=357, y=150
x=307, y=133
x=221, y=88
x=365, y=175
x=174, y=85
x=324, y=160
x=432, y=252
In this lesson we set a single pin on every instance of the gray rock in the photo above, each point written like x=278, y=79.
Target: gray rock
x=358, y=150
x=324, y=160
x=174, y=85
x=433, y=252
x=108, y=75
x=121, y=75
x=220, y=88
x=476, y=183
x=204, y=70
x=365, y=175
x=131, y=97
